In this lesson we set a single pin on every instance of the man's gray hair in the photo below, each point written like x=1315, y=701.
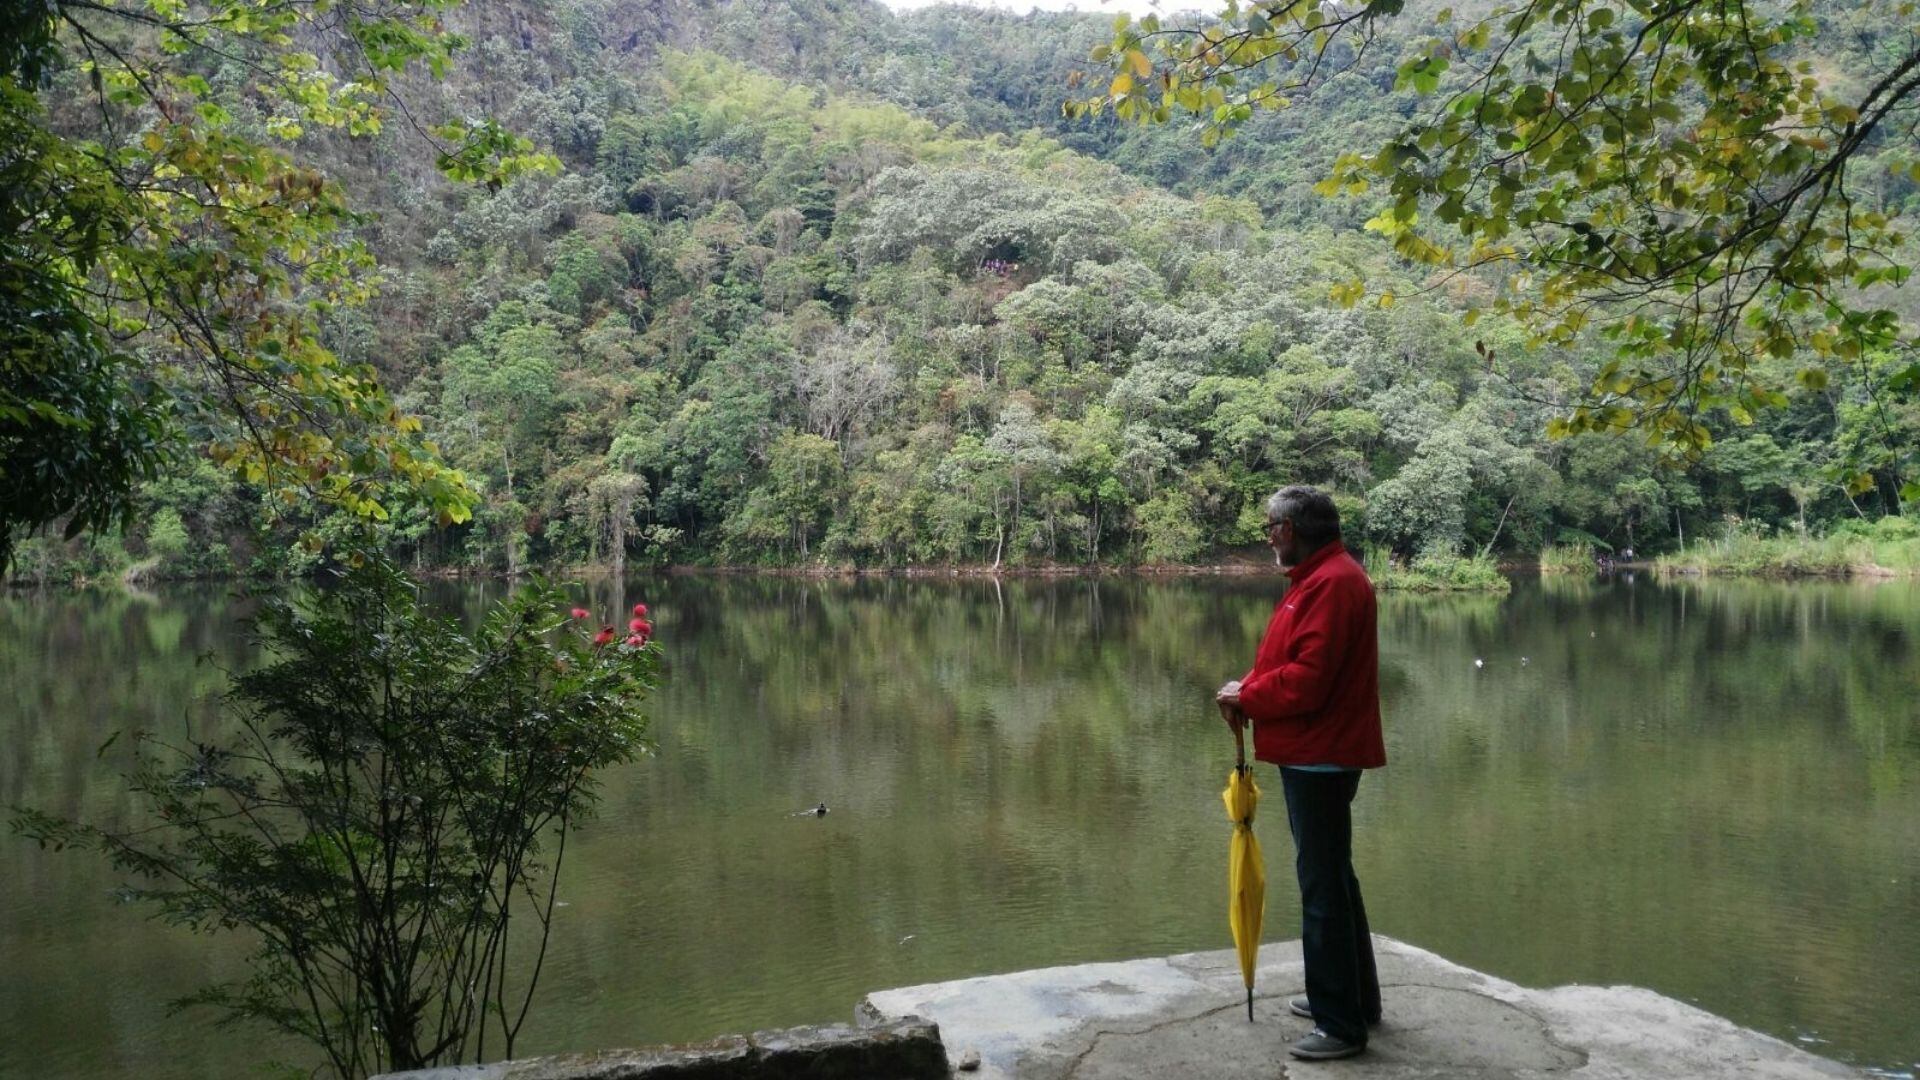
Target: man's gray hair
x=1315, y=520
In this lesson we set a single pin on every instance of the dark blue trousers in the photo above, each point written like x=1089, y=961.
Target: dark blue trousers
x=1343, y=989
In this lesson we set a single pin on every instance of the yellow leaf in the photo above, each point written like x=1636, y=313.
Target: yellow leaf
x=1122, y=85
x=1137, y=60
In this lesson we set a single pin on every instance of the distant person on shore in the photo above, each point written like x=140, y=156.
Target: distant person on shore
x=1313, y=698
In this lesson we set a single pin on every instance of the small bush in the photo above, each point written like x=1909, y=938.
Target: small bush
x=1437, y=572
x=1571, y=558
x=392, y=804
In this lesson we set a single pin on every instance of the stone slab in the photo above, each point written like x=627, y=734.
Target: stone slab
x=904, y=1048
x=1185, y=1016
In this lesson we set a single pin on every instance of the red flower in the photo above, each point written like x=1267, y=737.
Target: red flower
x=604, y=637
x=640, y=610
x=636, y=640
x=640, y=626
x=581, y=613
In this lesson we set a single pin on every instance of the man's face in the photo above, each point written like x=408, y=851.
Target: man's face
x=1286, y=549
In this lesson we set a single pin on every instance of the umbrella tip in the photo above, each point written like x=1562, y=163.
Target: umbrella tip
x=1249, y=1004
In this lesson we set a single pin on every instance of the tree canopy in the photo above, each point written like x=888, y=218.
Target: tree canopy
x=167, y=261
x=855, y=291
x=1684, y=178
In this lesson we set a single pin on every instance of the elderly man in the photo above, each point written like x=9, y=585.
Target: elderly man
x=1313, y=698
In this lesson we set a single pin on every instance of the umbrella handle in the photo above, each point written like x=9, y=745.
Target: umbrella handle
x=1240, y=741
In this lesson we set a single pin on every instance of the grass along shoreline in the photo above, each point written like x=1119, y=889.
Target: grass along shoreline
x=1569, y=558
x=1887, y=548
x=1837, y=555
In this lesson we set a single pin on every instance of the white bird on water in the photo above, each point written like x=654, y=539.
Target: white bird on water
x=1477, y=662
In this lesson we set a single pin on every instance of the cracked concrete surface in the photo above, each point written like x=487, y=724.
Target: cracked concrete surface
x=1184, y=1016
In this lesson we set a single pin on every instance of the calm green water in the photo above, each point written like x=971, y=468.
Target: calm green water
x=1711, y=790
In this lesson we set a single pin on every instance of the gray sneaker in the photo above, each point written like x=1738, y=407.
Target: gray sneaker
x=1298, y=1006
x=1320, y=1046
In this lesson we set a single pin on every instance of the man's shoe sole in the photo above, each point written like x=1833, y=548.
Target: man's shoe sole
x=1304, y=1013
x=1348, y=1051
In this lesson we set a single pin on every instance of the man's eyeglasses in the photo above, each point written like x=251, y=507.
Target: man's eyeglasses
x=1272, y=525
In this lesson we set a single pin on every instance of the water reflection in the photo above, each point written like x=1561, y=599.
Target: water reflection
x=1710, y=789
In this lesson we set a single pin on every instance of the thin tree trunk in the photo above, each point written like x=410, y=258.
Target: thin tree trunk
x=1859, y=513
x=618, y=541
x=1488, y=550
x=1016, y=502
x=1093, y=534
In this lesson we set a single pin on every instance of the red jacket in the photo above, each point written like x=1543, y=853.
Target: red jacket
x=1314, y=692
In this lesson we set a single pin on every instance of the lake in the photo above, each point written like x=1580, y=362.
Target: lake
x=1707, y=788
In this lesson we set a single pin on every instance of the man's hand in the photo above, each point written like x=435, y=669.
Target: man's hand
x=1228, y=698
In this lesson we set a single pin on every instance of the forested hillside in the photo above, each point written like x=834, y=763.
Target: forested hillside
x=848, y=291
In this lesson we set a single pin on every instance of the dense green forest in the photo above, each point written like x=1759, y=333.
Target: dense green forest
x=850, y=290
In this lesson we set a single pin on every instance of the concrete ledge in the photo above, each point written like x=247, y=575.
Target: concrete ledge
x=1185, y=1016
x=900, y=1048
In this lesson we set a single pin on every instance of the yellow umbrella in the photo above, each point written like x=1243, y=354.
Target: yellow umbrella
x=1246, y=874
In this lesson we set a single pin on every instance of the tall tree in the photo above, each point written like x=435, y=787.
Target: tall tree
x=615, y=495
x=176, y=255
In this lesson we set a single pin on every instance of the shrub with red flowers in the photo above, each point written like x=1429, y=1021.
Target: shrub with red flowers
x=639, y=630
x=398, y=788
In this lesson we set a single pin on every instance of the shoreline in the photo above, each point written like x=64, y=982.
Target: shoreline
x=1660, y=567
x=596, y=573
x=1399, y=581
